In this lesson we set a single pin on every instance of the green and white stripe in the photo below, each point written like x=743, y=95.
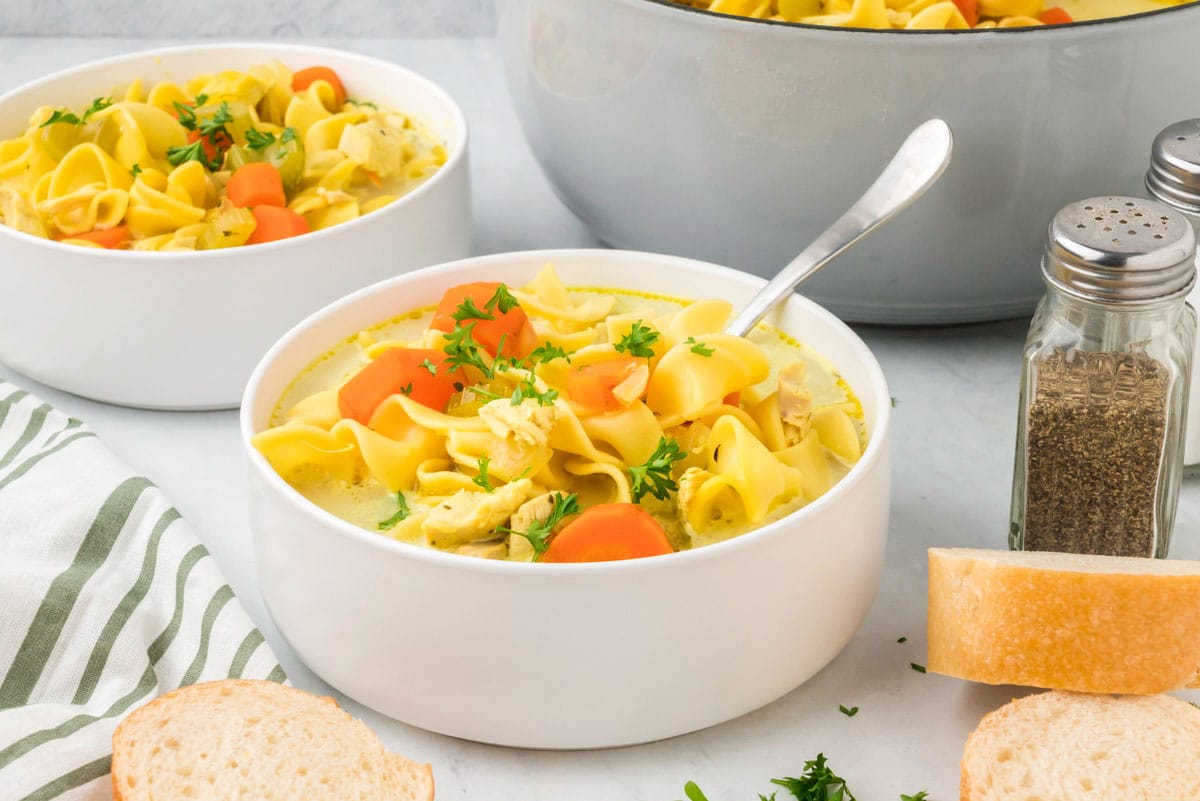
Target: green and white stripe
x=107, y=599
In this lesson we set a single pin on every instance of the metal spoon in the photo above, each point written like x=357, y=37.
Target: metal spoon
x=918, y=163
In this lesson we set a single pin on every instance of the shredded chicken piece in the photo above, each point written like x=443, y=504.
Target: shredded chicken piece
x=795, y=402
x=467, y=516
x=527, y=424
x=17, y=212
x=532, y=511
x=633, y=387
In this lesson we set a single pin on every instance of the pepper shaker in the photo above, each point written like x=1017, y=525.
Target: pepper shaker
x=1174, y=180
x=1104, y=381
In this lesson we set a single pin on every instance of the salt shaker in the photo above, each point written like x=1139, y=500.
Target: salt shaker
x=1174, y=179
x=1104, y=382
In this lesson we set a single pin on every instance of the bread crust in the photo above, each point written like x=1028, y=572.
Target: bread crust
x=287, y=698
x=1068, y=623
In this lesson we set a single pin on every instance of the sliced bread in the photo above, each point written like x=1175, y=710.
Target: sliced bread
x=237, y=738
x=1103, y=624
x=1060, y=746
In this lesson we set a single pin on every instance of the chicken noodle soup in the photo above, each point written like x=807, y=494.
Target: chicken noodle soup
x=545, y=424
x=221, y=160
x=930, y=14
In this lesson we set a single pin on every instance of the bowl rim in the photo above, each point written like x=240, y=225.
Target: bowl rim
x=330, y=524
x=268, y=50
x=843, y=30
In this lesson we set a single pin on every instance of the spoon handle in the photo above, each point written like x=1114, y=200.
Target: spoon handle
x=916, y=166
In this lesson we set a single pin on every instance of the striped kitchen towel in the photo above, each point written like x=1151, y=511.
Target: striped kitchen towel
x=107, y=600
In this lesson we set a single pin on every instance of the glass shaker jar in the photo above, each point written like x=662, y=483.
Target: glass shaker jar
x=1174, y=179
x=1104, y=382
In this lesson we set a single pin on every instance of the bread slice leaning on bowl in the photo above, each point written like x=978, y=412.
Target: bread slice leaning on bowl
x=256, y=739
x=1102, y=624
x=1060, y=746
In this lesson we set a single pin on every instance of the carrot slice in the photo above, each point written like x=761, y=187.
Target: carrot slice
x=508, y=334
x=591, y=385
x=608, y=532
x=256, y=184
x=419, y=373
x=1055, y=15
x=970, y=11
x=274, y=223
x=302, y=79
x=105, y=237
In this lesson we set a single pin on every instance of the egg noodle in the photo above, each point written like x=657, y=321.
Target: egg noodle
x=929, y=14
x=155, y=168
x=604, y=401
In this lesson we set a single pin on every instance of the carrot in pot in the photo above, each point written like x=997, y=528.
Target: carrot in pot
x=256, y=184
x=502, y=329
x=302, y=79
x=608, y=532
x=214, y=146
x=1055, y=15
x=970, y=11
x=274, y=223
x=105, y=237
x=591, y=385
x=419, y=373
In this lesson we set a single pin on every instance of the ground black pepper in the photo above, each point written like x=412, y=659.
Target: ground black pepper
x=1095, y=439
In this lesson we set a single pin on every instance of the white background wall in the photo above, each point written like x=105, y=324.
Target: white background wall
x=227, y=19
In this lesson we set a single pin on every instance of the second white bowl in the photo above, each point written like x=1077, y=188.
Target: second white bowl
x=182, y=330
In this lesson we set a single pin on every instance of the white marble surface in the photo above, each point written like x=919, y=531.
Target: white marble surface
x=224, y=19
x=954, y=425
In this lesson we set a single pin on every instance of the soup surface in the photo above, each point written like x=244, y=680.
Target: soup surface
x=930, y=14
x=221, y=160
x=547, y=424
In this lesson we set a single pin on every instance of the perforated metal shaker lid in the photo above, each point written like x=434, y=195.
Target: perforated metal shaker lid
x=1174, y=174
x=1120, y=250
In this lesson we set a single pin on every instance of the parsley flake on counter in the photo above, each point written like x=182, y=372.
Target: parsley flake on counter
x=638, y=341
x=921, y=796
x=902, y=639
x=654, y=476
x=540, y=531
x=916, y=667
x=699, y=348
x=848, y=712
x=817, y=783
x=402, y=513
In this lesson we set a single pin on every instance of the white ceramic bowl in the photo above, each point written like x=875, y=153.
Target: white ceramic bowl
x=737, y=141
x=582, y=655
x=182, y=330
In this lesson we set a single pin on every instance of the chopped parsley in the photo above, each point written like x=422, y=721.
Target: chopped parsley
x=135, y=170
x=902, y=639
x=817, y=783
x=430, y=366
x=916, y=667
x=467, y=310
x=921, y=796
x=193, y=152
x=401, y=513
x=407, y=389
x=501, y=300
x=64, y=116
x=540, y=531
x=211, y=135
x=548, y=353
x=259, y=140
x=366, y=103
x=527, y=389
x=654, y=476
x=848, y=711
x=699, y=348
x=638, y=341
x=483, y=479
x=462, y=350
